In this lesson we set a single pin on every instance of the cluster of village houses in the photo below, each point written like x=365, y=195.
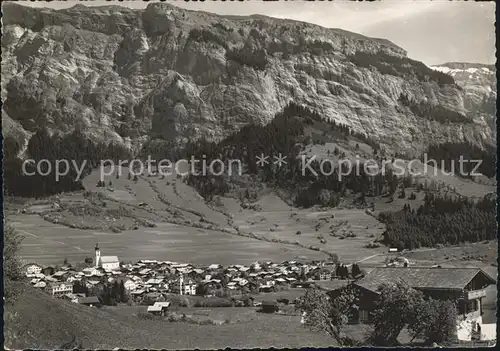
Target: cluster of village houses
x=150, y=279
x=159, y=277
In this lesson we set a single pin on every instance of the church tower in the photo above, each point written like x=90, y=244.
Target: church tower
x=97, y=255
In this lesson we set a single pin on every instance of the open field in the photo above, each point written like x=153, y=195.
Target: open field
x=185, y=228
x=422, y=173
x=189, y=230
x=279, y=221
x=50, y=243
x=54, y=322
x=164, y=196
x=481, y=255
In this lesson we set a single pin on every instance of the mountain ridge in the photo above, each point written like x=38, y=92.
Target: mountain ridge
x=128, y=76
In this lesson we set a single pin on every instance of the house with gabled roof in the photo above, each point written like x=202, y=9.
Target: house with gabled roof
x=60, y=289
x=159, y=308
x=31, y=269
x=466, y=286
x=40, y=285
x=91, y=301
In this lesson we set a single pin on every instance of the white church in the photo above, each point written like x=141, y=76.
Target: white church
x=108, y=263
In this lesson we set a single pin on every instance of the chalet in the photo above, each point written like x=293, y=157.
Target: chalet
x=281, y=281
x=266, y=287
x=321, y=274
x=91, y=301
x=73, y=278
x=60, y=289
x=40, y=285
x=91, y=283
x=144, y=272
x=130, y=285
x=214, y=267
x=137, y=293
x=195, y=273
x=255, y=266
x=59, y=275
x=154, y=282
x=32, y=269
x=71, y=297
x=182, y=287
x=466, y=286
x=159, y=308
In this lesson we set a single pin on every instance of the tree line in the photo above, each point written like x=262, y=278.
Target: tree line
x=448, y=154
x=43, y=145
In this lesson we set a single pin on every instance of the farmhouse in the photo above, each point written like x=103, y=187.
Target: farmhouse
x=466, y=286
x=108, y=263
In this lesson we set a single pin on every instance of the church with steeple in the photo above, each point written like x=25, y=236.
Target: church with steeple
x=108, y=263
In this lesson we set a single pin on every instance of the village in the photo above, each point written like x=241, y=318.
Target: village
x=149, y=281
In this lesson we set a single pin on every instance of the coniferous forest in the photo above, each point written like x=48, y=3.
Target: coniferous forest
x=448, y=155
x=285, y=136
x=44, y=146
x=441, y=220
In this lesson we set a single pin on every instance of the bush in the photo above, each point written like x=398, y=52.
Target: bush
x=372, y=245
x=12, y=263
x=148, y=316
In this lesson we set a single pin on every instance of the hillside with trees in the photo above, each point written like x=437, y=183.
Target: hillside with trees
x=286, y=136
x=441, y=220
x=448, y=155
x=74, y=147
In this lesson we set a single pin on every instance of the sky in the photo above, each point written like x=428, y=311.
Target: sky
x=433, y=32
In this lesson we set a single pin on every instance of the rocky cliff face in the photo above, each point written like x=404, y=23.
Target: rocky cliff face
x=164, y=72
x=480, y=86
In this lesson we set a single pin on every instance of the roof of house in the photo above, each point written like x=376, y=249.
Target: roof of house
x=90, y=299
x=154, y=308
x=32, y=264
x=109, y=259
x=154, y=281
x=422, y=277
x=162, y=304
